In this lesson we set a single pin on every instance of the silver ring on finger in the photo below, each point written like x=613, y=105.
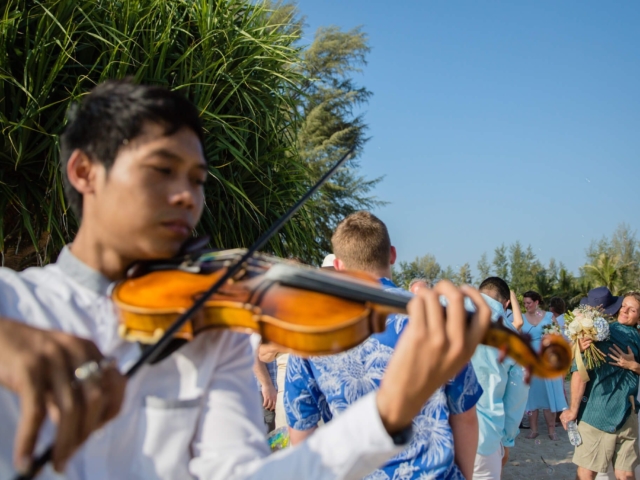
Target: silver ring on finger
x=92, y=370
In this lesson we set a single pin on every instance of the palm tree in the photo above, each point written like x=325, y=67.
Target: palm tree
x=582, y=286
x=607, y=270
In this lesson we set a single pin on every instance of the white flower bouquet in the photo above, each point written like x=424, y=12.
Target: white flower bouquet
x=552, y=328
x=587, y=322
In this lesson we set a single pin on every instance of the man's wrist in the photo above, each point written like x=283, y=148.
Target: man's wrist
x=393, y=420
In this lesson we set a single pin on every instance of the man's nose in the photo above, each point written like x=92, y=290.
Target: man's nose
x=184, y=198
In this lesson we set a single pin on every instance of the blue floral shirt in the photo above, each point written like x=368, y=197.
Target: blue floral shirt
x=322, y=387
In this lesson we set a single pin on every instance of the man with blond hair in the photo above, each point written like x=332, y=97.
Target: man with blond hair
x=320, y=388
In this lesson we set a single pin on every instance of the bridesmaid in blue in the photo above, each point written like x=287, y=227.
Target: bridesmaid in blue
x=547, y=395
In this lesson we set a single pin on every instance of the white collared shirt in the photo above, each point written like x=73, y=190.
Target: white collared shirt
x=195, y=414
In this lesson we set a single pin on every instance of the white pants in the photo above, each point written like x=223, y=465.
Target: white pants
x=488, y=467
x=281, y=417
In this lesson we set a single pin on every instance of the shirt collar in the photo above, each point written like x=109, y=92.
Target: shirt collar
x=386, y=282
x=86, y=276
x=497, y=310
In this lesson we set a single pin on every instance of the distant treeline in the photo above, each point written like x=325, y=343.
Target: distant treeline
x=612, y=261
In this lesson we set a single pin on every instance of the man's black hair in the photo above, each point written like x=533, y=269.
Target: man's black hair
x=112, y=115
x=498, y=285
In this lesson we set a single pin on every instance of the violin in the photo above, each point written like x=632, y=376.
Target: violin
x=303, y=310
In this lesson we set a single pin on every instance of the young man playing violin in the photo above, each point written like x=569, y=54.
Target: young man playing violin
x=323, y=387
x=133, y=164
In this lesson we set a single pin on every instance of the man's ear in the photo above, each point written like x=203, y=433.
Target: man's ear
x=338, y=264
x=393, y=255
x=81, y=172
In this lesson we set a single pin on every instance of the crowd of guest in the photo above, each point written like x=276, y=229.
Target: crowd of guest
x=489, y=401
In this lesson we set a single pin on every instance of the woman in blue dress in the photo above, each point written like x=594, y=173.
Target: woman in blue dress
x=545, y=395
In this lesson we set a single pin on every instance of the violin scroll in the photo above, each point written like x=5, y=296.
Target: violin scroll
x=555, y=354
x=553, y=360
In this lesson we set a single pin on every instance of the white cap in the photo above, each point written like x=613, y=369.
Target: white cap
x=328, y=260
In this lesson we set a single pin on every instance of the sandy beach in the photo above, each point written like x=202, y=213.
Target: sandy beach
x=544, y=458
x=540, y=458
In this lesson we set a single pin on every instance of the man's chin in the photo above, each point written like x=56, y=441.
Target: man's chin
x=160, y=250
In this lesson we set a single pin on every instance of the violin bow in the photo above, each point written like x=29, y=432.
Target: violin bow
x=154, y=351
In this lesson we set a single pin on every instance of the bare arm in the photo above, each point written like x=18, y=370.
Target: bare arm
x=299, y=436
x=577, y=392
x=267, y=352
x=269, y=394
x=518, y=321
x=465, y=440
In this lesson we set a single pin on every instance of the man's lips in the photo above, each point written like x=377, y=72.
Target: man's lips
x=178, y=226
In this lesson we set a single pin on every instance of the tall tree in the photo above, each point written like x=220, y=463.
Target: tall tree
x=624, y=247
x=449, y=274
x=608, y=271
x=425, y=267
x=329, y=102
x=544, y=285
x=484, y=269
x=523, y=267
x=553, y=269
x=501, y=263
x=463, y=276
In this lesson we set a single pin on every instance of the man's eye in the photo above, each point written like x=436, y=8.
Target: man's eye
x=165, y=171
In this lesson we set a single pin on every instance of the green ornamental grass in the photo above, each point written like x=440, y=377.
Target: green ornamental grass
x=234, y=59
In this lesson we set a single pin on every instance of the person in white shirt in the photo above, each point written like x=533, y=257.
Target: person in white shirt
x=133, y=166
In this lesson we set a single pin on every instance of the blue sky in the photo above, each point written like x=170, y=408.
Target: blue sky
x=499, y=121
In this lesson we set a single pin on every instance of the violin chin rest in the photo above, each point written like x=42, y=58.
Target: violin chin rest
x=133, y=336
